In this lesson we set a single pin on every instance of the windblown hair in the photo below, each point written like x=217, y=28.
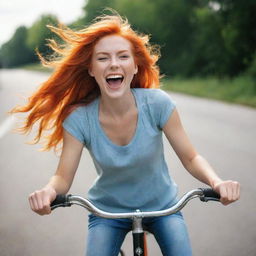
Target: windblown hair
x=70, y=85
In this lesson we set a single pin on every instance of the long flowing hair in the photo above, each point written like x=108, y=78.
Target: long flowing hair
x=70, y=85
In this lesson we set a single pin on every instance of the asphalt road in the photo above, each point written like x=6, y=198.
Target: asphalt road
x=223, y=133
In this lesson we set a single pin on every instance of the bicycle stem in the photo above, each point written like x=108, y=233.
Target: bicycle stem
x=138, y=236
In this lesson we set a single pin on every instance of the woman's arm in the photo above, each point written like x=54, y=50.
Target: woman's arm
x=60, y=183
x=195, y=163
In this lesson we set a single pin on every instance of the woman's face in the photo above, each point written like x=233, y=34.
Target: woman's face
x=113, y=65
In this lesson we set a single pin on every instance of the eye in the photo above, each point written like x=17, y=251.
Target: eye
x=124, y=56
x=102, y=58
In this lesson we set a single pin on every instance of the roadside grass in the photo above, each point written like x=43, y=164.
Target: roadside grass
x=36, y=67
x=240, y=90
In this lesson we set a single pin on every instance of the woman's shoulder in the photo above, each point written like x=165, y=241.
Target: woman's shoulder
x=83, y=110
x=156, y=105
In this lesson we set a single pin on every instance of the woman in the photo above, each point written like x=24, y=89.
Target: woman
x=103, y=95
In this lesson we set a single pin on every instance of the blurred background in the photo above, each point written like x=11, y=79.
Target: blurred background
x=208, y=50
x=208, y=47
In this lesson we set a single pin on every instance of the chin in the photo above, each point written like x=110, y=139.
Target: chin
x=116, y=92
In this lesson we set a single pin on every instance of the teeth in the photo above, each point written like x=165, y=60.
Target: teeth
x=114, y=77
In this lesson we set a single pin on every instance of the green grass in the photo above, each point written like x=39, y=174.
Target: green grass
x=36, y=67
x=240, y=90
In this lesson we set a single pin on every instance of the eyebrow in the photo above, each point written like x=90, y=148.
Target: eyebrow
x=122, y=51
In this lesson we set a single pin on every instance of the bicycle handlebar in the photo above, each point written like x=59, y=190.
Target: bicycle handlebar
x=205, y=195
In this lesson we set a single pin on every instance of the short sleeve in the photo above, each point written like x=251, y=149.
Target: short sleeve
x=162, y=107
x=75, y=124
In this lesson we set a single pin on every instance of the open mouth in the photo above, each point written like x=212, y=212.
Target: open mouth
x=114, y=81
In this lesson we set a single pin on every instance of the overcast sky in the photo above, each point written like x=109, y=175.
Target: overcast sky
x=14, y=13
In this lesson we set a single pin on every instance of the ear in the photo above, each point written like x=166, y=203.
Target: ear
x=136, y=69
x=90, y=72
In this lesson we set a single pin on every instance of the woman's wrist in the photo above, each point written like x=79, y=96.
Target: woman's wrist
x=57, y=184
x=215, y=182
x=50, y=190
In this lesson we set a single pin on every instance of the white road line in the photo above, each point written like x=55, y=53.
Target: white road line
x=7, y=125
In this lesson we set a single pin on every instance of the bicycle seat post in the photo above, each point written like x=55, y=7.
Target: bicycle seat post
x=138, y=235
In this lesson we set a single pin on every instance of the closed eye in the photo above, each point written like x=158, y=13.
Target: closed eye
x=124, y=56
x=102, y=58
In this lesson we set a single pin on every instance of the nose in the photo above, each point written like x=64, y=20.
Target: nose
x=114, y=64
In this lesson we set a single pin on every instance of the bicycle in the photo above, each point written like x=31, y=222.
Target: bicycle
x=139, y=245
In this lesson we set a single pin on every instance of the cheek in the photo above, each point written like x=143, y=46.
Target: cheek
x=99, y=79
x=96, y=70
x=131, y=66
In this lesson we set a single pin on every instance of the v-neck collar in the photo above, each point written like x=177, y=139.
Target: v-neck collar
x=135, y=135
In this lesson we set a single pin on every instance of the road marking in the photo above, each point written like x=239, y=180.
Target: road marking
x=7, y=125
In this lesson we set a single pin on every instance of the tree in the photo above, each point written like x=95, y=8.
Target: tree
x=15, y=52
x=167, y=21
x=239, y=33
x=196, y=37
x=94, y=8
x=38, y=33
x=209, y=56
x=169, y=24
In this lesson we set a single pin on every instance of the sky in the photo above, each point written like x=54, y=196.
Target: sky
x=14, y=13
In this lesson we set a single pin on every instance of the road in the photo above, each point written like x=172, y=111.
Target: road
x=223, y=133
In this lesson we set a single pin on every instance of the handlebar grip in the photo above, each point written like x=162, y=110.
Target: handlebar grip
x=60, y=201
x=209, y=195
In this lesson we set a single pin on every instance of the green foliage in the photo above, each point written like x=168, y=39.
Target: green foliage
x=251, y=71
x=95, y=8
x=238, y=31
x=15, y=52
x=174, y=33
x=168, y=22
x=208, y=51
x=38, y=33
x=20, y=49
x=196, y=37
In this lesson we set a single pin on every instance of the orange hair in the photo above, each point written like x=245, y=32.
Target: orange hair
x=70, y=85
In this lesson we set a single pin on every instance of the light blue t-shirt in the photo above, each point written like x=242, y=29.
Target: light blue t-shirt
x=134, y=176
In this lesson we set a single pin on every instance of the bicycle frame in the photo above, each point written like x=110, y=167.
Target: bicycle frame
x=139, y=249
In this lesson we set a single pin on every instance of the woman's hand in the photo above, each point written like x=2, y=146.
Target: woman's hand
x=229, y=191
x=40, y=200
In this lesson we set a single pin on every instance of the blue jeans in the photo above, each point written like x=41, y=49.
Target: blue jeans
x=105, y=236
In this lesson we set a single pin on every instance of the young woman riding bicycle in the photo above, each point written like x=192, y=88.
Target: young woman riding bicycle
x=104, y=95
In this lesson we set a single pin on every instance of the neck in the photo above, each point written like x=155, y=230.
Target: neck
x=117, y=107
